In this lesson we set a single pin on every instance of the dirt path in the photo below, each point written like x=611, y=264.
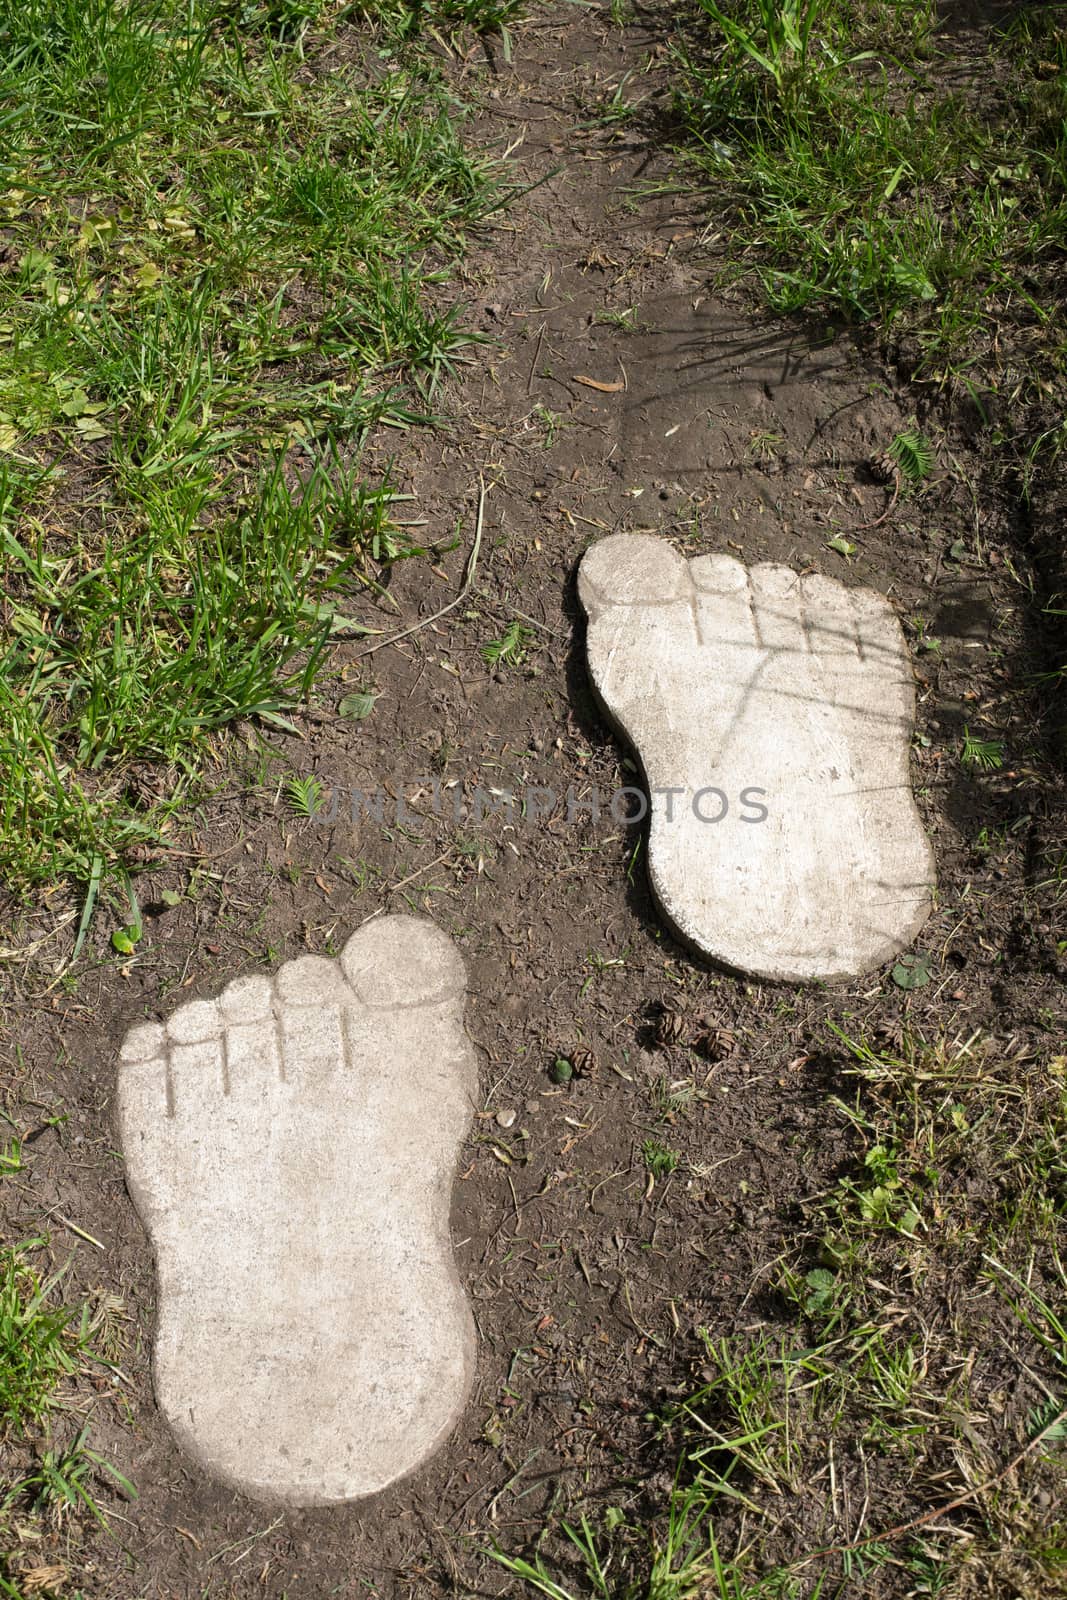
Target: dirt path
x=726, y=433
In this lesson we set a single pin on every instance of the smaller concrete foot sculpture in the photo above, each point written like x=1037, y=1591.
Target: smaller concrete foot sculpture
x=290, y=1148
x=772, y=714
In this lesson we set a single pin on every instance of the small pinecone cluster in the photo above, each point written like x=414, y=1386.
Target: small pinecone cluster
x=882, y=468
x=713, y=1042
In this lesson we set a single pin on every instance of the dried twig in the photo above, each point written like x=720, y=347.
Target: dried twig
x=940, y=1511
x=888, y=512
x=468, y=579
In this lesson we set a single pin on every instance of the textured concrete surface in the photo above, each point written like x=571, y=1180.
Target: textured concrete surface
x=729, y=680
x=290, y=1148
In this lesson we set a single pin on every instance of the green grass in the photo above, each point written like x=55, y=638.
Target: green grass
x=50, y=1470
x=510, y=649
x=407, y=16
x=37, y=1342
x=916, y=1359
x=659, y=1159
x=872, y=169
x=63, y=1480
x=222, y=270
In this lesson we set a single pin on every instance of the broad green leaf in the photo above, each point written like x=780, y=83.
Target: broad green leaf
x=358, y=706
x=912, y=972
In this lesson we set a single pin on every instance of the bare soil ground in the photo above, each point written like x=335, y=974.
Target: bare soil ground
x=724, y=431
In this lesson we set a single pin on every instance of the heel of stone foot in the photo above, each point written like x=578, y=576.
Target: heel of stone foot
x=403, y=963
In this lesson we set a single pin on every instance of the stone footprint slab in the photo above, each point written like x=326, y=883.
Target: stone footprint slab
x=772, y=714
x=290, y=1148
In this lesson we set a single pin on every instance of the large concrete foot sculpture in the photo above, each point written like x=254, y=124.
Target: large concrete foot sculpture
x=788, y=701
x=290, y=1148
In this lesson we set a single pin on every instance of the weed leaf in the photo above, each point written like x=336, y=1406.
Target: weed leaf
x=912, y=972
x=358, y=706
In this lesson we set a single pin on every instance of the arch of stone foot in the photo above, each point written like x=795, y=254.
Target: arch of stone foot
x=290, y=1148
x=772, y=714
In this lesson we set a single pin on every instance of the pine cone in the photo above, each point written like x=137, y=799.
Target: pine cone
x=882, y=468
x=715, y=1044
x=671, y=1026
x=583, y=1061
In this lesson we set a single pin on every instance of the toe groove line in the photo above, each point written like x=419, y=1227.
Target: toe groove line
x=807, y=627
x=447, y=992
x=345, y=1024
x=857, y=628
x=279, y=1045
x=753, y=611
x=694, y=607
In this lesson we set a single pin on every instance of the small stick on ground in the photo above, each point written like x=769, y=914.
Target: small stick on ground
x=940, y=1511
x=537, y=357
x=413, y=875
x=888, y=512
x=468, y=579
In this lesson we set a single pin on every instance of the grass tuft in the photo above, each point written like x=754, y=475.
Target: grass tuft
x=36, y=1341
x=881, y=166
x=912, y=1363
x=219, y=272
